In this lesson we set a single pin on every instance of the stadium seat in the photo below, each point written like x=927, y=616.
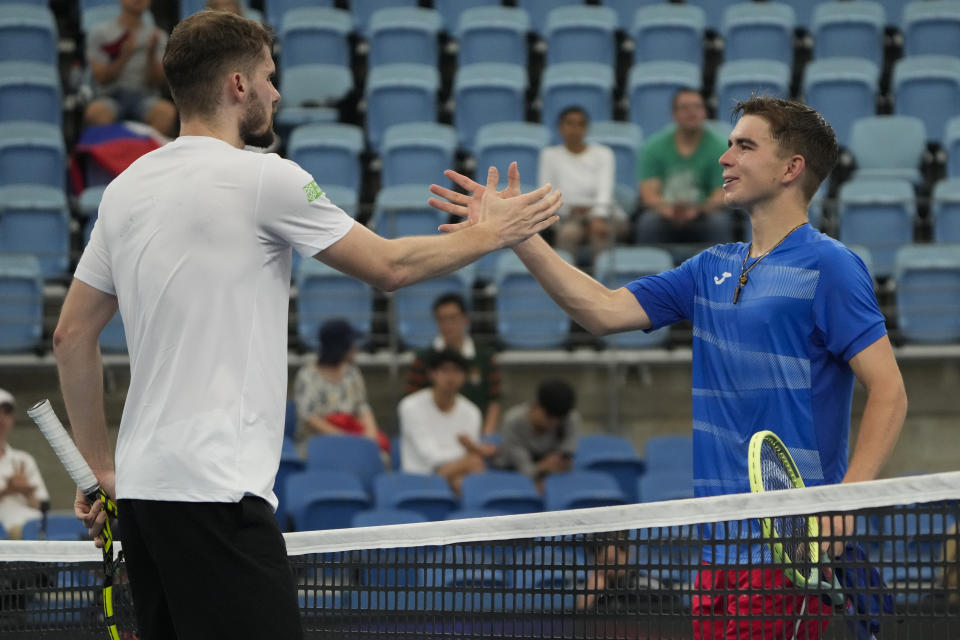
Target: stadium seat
x=113, y=338
x=527, y=318
x=581, y=33
x=627, y=10
x=28, y=34
x=651, y=86
x=589, y=86
x=888, y=147
x=893, y=9
x=619, y=266
x=32, y=153
x=740, y=79
x=665, y=485
x=290, y=419
x=612, y=455
x=668, y=32
x=951, y=142
x=931, y=27
x=363, y=10
x=417, y=153
x=581, y=490
x=714, y=10
x=486, y=93
x=347, y=453
x=35, y=219
x=669, y=453
x=499, y=144
x=928, y=292
x=320, y=499
x=190, y=7
x=403, y=211
x=21, y=314
x=311, y=93
x=539, y=11
x=878, y=215
x=343, y=197
x=759, y=30
x=851, y=29
x=382, y=516
x=452, y=10
x=626, y=140
x=802, y=11
x=404, y=35
x=398, y=93
x=927, y=87
x=506, y=492
x=413, y=306
x=315, y=35
x=492, y=34
x=946, y=211
x=276, y=10
x=328, y=151
x=290, y=463
x=59, y=527
x=427, y=494
x=317, y=285
x=843, y=90
x=30, y=91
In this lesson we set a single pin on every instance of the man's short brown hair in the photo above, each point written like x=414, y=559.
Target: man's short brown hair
x=797, y=129
x=204, y=47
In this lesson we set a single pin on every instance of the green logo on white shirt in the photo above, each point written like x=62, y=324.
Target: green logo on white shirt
x=312, y=190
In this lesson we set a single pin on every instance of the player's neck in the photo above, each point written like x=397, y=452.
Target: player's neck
x=214, y=128
x=771, y=220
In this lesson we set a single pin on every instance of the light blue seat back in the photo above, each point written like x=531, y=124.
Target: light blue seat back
x=651, y=86
x=507, y=492
x=927, y=87
x=669, y=453
x=21, y=314
x=486, y=93
x=666, y=485
x=398, y=93
x=946, y=211
x=324, y=499
x=493, y=34
x=452, y=10
x=843, y=90
x=740, y=79
x=932, y=27
x=527, y=318
x=612, y=455
x=328, y=152
x=35, y=219
x=417, y=153
x=276, y=10
x=715, y=10
x=403, y=211
x=668, y=32
x=853, y=29
x=888, y=147
x=928, y=292
x=501, y=143
x=426, y=494
x=626, y=140
x=30, y=91
x=413, y=306
x=315, y=35
x=759, y=30
x=539, y=10
x=311, y=93
x=951, y=142
x=580, y=489
x=587, y=85
x=404, y=35
x=580, y=33
x=878, y=215
x=317, y=285
x=32, y=153
x=351, y=454
x=363, y=10
x=27, y=33
x=619, y=266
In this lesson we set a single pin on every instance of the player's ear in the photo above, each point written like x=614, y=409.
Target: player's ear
x=794, y=167
x=236, y=85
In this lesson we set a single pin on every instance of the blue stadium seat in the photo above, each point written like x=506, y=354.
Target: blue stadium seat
x=290, y=419
x=803, y=12
x=669, y=453
x=928, y=292
x=665, y=485
x=651, y=86
x=320, y=499
x=30, y=91
x=21, y=314
x=485, y=93
x=346, y=453
x=417, y=153
x=878, y=215
x=893, y=9
x=329, y=152
x=843, y=90
x=888, y=147
x=35, y=219
x=427, y=494
x=539, y=10
x=27, y=33
x=277, y=9
x=931, y=27
x=927, y=87
x=317, y=285
x=290, y=463
x=383, y=516
x=951, y=142
x=404, y=35
x=581, y=490
x=493, y=34
x=315, y=35
x=715, y=10
x=668, y=32
x=413, y=306
x=343, y=197
x=507, y=492
x=59, y=527
x=612, y=455
x=627, y=10
x=398, y=93
x=587, y=85
x=89, y=203
x=619, y=266
x=581, y=33
x=190, y=7
x=403, y=211
x=32, y=153
x=853, y=29
x=759, y=30
x=363, y=11
x=501, y=143
x=626, y=140
x=452, y=10
x=310, y=93
x=113, y=338
x=527, y=318
x=739, y=79
x=946, y=211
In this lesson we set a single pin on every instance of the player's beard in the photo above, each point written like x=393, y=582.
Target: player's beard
x=256, y=126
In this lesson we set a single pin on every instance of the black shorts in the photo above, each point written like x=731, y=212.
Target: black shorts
x=206, y=570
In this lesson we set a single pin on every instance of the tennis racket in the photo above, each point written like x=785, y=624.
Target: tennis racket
x=51, y=427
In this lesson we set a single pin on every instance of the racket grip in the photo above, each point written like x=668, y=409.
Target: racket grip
x=70, y=457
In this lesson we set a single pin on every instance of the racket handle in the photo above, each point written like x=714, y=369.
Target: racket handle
x=70, y=457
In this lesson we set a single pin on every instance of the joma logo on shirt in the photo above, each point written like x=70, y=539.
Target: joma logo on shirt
x=718, y=281
x=312, y=190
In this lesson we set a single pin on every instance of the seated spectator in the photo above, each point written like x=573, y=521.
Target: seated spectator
x=482, y=387
x=585, y=173
x=539, y=438
x=439, y=428
x=330, y=395
x=681, y=180
x=125, y=58
x=21, y=487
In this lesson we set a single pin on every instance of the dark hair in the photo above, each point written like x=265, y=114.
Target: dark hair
x=679, y=92
x=450, y=298
x=439, y=358
x=556, y=397
x=204, y=47
x=797, y=129
x=336, y=337
x=574, y=108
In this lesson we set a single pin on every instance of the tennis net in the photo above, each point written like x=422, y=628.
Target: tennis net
x=634, y=571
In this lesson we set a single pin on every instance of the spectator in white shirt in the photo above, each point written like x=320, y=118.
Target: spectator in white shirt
x=21, y=487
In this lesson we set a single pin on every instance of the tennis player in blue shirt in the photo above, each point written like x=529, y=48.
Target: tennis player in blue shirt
x=781, y=328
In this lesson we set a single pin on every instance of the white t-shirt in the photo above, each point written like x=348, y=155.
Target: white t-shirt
x=585, y=178
x=15, y=508
x=194, y=240
x=428, y=436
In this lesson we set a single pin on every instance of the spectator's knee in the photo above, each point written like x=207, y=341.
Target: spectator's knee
x=99, y=112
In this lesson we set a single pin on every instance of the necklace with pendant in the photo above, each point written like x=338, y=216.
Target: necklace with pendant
x=744, y=269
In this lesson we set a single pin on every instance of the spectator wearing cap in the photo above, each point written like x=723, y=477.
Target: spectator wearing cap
x=21, y=486
x=330, y=394
x=439, y=428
